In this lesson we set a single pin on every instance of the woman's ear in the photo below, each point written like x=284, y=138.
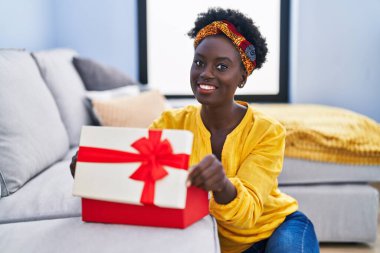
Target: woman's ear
x=244, y=76
x=243, y=79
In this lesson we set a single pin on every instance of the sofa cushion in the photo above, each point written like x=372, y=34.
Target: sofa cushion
x=74, y=236
x=47, y=196
x=67, y=88
x=32, y=135
x=300, y=171
x=339, y=212
x=130, y=111
x=97, y=76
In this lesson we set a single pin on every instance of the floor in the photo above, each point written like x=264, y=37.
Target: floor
x=355, y=248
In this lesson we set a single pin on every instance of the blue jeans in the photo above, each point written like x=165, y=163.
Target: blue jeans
x=295, y=234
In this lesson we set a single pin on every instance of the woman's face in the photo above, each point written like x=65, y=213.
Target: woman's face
x=216, y=71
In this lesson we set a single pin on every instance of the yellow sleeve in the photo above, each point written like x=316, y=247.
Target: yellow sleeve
x=256, y=178
x=158, y=123
x=164, y=121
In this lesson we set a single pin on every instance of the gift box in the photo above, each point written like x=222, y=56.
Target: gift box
x=137, y=176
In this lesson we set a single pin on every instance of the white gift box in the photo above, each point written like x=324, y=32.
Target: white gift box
x=100, y=179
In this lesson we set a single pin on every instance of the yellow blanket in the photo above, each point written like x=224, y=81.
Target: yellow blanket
x=327, y=134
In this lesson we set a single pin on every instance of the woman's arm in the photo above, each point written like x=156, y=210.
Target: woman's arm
x=256, y=178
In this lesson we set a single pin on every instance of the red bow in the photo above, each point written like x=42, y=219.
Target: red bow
x=153, y=155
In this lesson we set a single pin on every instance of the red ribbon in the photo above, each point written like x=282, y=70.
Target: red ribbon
x=153, y=155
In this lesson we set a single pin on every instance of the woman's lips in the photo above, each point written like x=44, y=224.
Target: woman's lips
x=206, y=88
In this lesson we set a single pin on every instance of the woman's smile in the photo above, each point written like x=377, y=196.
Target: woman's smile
x=204, y=88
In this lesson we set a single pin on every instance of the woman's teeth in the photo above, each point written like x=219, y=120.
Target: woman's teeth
x=206, y=87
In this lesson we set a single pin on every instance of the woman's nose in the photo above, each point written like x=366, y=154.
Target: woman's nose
x=207, y=73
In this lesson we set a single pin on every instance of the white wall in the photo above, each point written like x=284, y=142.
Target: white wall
x=335, y=54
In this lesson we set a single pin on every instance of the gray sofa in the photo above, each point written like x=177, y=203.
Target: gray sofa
x=41, y=114
x=42, y=110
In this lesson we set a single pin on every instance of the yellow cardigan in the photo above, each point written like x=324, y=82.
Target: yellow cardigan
x=252, y=157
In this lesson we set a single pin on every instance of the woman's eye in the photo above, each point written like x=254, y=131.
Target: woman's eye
x=221, y=67
x=197, y=63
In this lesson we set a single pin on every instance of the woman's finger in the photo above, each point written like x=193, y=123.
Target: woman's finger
x=206, y=178
x=196, y=170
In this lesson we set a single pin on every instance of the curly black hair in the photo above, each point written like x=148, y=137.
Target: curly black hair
x=244, y=25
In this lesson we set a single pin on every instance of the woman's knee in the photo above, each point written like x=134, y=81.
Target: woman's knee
x=295, y=234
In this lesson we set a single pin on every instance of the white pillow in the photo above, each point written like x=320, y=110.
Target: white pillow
x=130, y=90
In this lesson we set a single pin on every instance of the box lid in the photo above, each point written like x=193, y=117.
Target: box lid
x=133, y=165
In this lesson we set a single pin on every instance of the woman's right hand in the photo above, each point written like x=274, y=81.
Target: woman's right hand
x=73, y=164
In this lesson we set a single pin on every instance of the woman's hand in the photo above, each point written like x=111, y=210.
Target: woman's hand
x=209, y=175
x=73, y=164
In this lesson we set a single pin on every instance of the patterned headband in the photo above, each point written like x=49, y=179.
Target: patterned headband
x=245, y=48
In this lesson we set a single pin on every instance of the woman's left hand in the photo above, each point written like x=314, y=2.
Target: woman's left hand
x=208, y=175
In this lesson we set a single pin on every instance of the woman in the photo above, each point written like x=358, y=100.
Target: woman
x=237, y=152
